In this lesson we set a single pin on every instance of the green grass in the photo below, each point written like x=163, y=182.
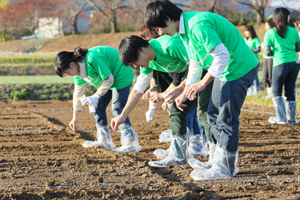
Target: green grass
x=23, y=59
x=34, y=79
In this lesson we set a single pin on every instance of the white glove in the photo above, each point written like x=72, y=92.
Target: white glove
x=92, y=107
x=149, y=115
x=90, y=100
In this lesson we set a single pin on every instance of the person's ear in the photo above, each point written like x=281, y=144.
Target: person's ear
x=72, y=64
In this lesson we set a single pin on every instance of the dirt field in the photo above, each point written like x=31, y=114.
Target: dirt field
x=41, y=158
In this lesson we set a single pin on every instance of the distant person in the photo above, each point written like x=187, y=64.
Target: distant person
x=283, y=42
x=100, y=67
x=268, y=65
x=254, y=44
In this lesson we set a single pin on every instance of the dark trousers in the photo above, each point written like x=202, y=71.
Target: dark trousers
x=223, y=112
x=267, y=72
x=119, y=99
x=285, y=74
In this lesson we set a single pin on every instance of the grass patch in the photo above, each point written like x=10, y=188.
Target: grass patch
x=27, y=59
x=35, y=79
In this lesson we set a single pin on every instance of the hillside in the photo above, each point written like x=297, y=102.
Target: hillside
x=90, y=40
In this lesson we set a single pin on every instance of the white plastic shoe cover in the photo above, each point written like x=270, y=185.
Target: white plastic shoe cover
x=176, y=154
x=291, y=112
x=104, y=139
x=197, y=146
x=269, y=93
x=129, y=140
x=280, y=111
x=161, y=153
x=224, y=166
x=196, y=164
x=149, y=115
x=166, y=136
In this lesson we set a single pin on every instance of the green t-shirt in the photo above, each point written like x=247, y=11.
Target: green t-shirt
x=171, y=55
x=204, y=31
x=253, y=44
x=284, y=49
x=100, y=62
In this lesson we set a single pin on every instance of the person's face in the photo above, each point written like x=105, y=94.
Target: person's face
x=171, y=28
x=267, y=27
x=72, y=70
x=143, y=60
x=247, y=33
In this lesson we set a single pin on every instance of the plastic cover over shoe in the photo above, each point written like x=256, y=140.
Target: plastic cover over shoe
x=149, y=115
x=197, y=146
x=197, y=164
x=224, y=165
x=161, y=153
x=291, y=112
x=166, y=136
x=176, y=153
x=104, y=139
x=280, y=111
x=129, y=140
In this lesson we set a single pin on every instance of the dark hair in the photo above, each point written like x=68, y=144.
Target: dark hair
x=270, y=22
x=157, y=13
x=280, y=21
x=129, y=49
x=148, y=34
x=64, y=58
x=250, y=28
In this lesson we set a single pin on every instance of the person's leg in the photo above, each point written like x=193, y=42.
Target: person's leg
x=279, y=74
x=264, y=79
x=104, y=139
x=223, y=113
x=197, y=139
x=129, y=138
x=178, y=148
x=290, y=93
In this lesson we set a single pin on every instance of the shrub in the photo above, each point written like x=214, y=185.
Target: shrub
x=18, y=95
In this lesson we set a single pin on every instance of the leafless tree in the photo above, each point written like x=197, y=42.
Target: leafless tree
x=259, y=6
x=109, y=8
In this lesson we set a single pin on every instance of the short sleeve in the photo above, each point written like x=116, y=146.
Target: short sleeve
x=206, y=35
x=78, y=81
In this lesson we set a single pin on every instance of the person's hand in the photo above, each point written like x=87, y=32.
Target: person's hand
x=91, y=99
x=173, y=93
x=116, y=122
x=152, y=83
x=72, y=124
x=180, y=100
x=156, y=97
x=193, y=90
x=165, y=106
x=147, y=94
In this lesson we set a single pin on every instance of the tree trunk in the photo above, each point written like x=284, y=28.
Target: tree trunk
x=3, y=36
x=260, y=16
x=74, y=25
x=113, y=24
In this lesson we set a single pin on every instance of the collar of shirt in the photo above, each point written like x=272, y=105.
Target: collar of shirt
x=181, y=25
x=82, y=73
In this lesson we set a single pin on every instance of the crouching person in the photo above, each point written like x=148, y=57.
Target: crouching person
x=100, y=66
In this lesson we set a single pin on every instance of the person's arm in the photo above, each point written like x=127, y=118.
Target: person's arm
x=267, y=44
x=136, y=93
x=257, y=50
x=298, y=46
x=79, y=91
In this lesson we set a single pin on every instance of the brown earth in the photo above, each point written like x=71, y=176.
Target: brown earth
x=47, y=164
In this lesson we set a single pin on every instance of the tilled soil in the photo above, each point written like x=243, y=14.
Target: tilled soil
x=41, y=158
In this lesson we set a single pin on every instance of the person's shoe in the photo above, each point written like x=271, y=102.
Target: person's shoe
x=129, y=140
x=197, y=147
x=176, y=154
x=280, y=111
x=291, y=112
x=223, y=166
x=104, y=139
x=166, y=136
x=269, y=93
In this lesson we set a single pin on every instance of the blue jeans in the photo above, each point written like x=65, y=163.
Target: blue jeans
x=119, y=99
x=224, y=109
x=192, y=121
x=285, y=74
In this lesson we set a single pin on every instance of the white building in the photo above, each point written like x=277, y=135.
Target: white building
x=50, y=27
